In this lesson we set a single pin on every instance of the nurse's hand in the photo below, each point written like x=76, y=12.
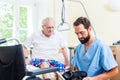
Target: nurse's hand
x=88, y=78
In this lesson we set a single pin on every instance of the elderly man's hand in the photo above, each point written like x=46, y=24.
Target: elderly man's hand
x=27, y=61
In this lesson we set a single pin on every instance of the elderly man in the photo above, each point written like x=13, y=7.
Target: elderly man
x=46, y=45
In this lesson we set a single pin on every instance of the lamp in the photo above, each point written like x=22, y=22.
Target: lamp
x=63, y=26
x=114, y=5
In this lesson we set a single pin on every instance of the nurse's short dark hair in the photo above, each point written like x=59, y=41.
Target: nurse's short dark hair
x=82, y=20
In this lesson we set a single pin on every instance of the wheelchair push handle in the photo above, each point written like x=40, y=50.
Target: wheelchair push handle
x=4, y=40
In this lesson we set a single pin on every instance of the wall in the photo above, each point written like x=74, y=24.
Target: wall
x=104, y=20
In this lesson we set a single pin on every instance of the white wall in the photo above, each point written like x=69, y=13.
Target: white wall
x=105, y=21
x=45, y=10
x=39, y=10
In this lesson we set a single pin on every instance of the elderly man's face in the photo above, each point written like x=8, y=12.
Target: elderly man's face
x=48, y=28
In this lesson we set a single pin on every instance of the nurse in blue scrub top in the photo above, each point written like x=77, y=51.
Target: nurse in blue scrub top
x=93, y=55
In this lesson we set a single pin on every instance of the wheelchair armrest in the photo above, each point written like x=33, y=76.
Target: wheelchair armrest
x=41, y=71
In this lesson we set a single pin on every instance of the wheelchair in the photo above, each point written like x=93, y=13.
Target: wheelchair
x=12, y=65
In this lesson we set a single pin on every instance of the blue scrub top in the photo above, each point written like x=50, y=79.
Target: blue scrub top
x=96, y=60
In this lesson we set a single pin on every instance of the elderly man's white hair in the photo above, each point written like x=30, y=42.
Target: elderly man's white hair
x=48, y=18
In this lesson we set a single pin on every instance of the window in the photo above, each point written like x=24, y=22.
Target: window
x=23, y=24
x=6, y=20
x=7, y=23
